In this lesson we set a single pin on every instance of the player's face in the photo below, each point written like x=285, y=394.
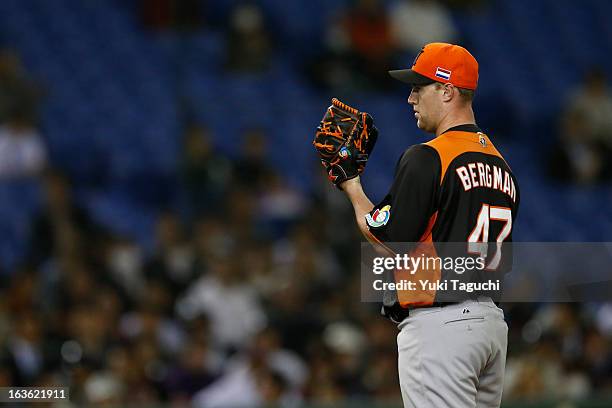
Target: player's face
x=426, y=102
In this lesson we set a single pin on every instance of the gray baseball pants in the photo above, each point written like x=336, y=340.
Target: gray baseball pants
x=453, y=356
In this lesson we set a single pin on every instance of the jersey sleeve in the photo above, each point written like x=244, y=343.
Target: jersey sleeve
x=404, y=214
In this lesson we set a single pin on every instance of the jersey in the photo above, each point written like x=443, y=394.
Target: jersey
x=455, y=188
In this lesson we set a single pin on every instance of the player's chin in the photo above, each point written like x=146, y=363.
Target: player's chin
x=421, y=124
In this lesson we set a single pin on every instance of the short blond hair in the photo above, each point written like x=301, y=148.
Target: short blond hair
x=466, y=94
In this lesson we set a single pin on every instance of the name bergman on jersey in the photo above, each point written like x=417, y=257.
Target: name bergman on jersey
x=426, y=284
x=481, y=175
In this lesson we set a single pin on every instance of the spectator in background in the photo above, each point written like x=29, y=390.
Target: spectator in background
x=205, y=173
x=279, y=205
x=125, y=265
x=23, y=352
x=359, y=50
x=263, y=375
x=88, y=327
x=302, y=257
x=194, y=368
x=252, y=166
x=18, y=93
x=249, y=48
x=367, y=27
x=598, y=359
x=23, y=153
x=104, y=390
x=577, y=157
x=584, y=151
x=419, y=22
x=593, y=102
x=62, y=227
x=173, y=262
x=228, y=301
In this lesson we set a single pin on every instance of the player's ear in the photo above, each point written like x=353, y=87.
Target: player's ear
x=449, y=92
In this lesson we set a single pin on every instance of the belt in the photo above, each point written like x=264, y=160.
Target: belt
x=397, y=313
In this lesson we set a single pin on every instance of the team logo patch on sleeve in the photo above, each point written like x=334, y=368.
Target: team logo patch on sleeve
x=379, y=217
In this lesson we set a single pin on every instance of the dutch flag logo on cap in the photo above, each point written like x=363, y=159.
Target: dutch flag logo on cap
x=443, y=73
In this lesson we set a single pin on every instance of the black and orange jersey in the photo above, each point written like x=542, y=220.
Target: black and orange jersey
x=454, y=188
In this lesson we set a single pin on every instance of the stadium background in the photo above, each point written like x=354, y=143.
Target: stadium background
x=168, y=233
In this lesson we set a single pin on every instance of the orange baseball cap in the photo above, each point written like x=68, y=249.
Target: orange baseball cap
x=441, y=62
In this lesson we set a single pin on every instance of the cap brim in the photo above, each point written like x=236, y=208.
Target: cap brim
x=410, y=77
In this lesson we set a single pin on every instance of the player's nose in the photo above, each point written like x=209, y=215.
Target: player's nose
x=412, y=98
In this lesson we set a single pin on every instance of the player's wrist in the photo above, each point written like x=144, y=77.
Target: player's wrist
x=350, y=184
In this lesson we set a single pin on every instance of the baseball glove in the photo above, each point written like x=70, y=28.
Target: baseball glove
x=344, y=140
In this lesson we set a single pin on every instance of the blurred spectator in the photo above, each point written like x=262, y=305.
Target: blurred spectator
x=19, y=95
x=598, y=359
x=331, y=71
x=252, y=166
x=89, y=330
x=241, y=215
x=294, y=313
x=213, y=240
x=265, y=375
x=341, y=240
x=279, y=205
x=23, y=352
x=23, y=291
x=359, y=50
x=577, y=157
x=541, y=374
x=189, y=373
x=148, y=322
x=257, y=260
x=584, y=152
x=334, y=67
x=249, y=46
x=103, y=390
x=593, y=101
x=173, y=262
x=305, y=260
x=419, y=22
x=591, y=105
x=323, y=386
x=348, y=344
x=22, y=150
x=62, y=227
x=225, y=297
x=586, y=145
x=125, y=264
x=77, y=284
x=205, y=172
x=368, y=27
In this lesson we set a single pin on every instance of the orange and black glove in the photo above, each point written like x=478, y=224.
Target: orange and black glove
x=344, y=140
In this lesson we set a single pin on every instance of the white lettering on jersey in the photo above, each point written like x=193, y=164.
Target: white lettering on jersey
x=489, y=176
x=464, y=177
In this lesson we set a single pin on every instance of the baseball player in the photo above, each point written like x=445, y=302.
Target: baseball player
x=455, y=188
